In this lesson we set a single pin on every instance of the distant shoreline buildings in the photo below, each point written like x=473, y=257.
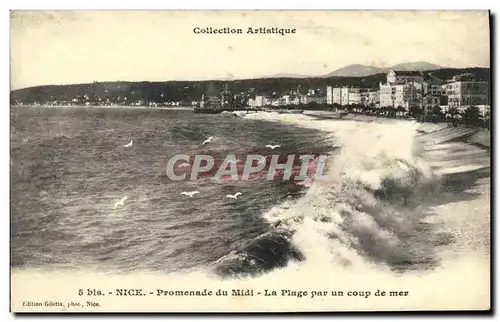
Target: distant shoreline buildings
x=402, y=90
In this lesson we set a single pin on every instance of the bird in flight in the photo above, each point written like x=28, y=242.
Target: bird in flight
x=184, y=165
x=209, y=140
x=234, y=196
x=189, y=194
x=128, y=145
x=121, y=202
x=272, y=147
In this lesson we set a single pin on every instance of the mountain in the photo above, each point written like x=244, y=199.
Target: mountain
x=413, y=66
x=358, y=70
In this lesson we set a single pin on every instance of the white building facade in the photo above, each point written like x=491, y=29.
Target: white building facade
x=402, y=89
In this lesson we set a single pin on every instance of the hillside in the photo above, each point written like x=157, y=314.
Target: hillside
x=419, y=65
x=188, y=91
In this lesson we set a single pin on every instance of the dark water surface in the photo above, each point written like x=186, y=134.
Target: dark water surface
x=69, y=168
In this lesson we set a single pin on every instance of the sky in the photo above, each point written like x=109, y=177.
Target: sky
x=68, y=47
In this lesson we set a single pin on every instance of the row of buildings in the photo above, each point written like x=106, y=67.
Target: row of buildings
x=351, y=96
x=408, y=89
x=401, y=89
x=79, y=103
x=285, y=100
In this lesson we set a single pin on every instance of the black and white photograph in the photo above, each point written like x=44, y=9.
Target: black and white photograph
x=250, y=161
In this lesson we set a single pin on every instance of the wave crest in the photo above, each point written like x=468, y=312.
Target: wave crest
x=367, y=210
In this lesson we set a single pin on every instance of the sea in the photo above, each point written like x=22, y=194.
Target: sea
x=398, y=201
x=69, y=168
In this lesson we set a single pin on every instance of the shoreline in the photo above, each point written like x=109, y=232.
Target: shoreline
x=474, y=136
x=173, y=108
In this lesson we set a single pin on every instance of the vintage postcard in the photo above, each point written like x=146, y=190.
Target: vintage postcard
x=250, y=161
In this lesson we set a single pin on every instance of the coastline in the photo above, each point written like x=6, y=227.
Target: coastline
x=173, y=108
x=475, y=136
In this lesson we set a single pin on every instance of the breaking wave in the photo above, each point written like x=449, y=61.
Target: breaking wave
x=374, y=206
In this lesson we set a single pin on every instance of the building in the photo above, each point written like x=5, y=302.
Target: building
x=251, y=102
x=402, y=89
x=304, y=99
x=429, y=101
x=346, y=95
x=372, y=98
x=329, y=95
x=259, y=101
x=387, y=95
x=350, y=96
x=333, y=95
x=291, y=99
x=436, y=90
x=404, y=95
x=337, y=95
x=404, y=77
x=280, y=101
x=462, y=93
x=266, y=101
x=434, y=95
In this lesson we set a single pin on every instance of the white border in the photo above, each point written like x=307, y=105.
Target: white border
x=255, y=4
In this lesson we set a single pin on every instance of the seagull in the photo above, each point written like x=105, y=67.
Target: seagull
x=272, y=147
x=234, y=196
x=208, y=140
x=128, y=145
x=121, y=202
x=189, y=194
